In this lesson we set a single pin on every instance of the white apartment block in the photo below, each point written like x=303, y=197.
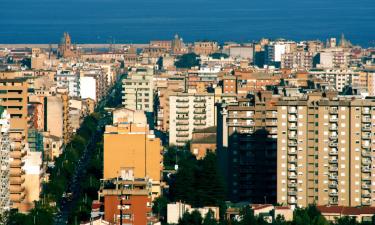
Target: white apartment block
x=337, y=78
x=137, y=92
x=69, y=80
x=188, y=112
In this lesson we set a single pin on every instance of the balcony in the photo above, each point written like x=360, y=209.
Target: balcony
x=366, y=195
x=366, y=111
x=182, y=111
x=199, y=105
x=292, y=119
x=332, y=177
x=366, y=178
x=366, y=202
x=292, y=159
x=182, y=134
x=292, y=144
x=292, y=152
x=182, y=106
x=292, y=110
x=292, y=176
x=292, y=193
x=292, y=136
x=366, y=128
x=366, y=153
x=292, y=185
x=366, y=169
x=186, y=128
x=366, y=162
x=366, y=135
x=333, y=152
x=366, y=145
x=333, y=128
x=201, y=117
x=333, y=169
x=333, y=144
x=333, y=119
x=293, y=128
x=366, y=186
x=182, y=100
x=333, y=137
x=333, y=185
x=292, y=169
x=200, y=111
x=199, y=100
x=182, y=118
x=199, y=123
x=333, y=110
x=333, y=194
x=333, y=161
x=366, y=119
x=182, y=122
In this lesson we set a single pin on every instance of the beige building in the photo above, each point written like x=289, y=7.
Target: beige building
x=188, y=112
x=325, y=150
x=138, y=89
x=13, y=97
x=130, y=144
x=205, y=47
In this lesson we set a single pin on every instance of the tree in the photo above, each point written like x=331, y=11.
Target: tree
x=160, y=207
x=219, y=55
x=209, y=219
x=187, y=61
x=194, y=218
x=346, y=220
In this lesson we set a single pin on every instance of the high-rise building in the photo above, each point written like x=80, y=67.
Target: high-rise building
x=130, y=144
x=325, y=151
x=13, y=97
x=188, y=112
x=138, y=89
x=4, y=160
x=246, y=147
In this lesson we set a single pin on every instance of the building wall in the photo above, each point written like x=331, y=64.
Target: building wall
x=189, y=112
x=88, y=87
x=138, y=150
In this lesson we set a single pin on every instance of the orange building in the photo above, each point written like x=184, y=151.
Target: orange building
x=130, y=144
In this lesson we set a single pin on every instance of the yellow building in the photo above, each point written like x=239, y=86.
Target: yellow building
x=130, y=144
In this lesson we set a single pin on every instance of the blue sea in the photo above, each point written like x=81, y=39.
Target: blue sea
x=138, y=21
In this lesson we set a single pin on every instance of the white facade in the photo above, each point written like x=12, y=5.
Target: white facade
x=188, y=112
x=88, y=87
x=138, y=89
x=175, y=211
x=69, y=80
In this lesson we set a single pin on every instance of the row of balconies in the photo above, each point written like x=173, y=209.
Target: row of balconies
x=182, y=134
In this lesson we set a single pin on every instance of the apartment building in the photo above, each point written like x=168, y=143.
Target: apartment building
x=70, y=80
x=334, y=58
x=188, y=111
x=93, y=84
x=138, y=87
x=129, y=143
x=128, y=197
x=205, y=47
x=13, y=97
x=325, y=151
x=4, y=160
x=300, y=60
x=337, y=78
x=246, y=147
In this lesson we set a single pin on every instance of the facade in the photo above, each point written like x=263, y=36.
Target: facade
x=130, y=144
x=338, y=78
x=13, y=96
x=205, y=47
x=129, y=198
x=324, y=151
x=138, y=90
x=297, y=60
x=203, y=140
x=4, y=161
x=188, y=112
x=69, y=80
x=246, y=148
